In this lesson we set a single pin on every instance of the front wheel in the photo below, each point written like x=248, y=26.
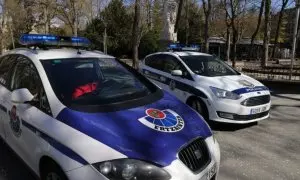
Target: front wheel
x=200, y=107
x=53, y=172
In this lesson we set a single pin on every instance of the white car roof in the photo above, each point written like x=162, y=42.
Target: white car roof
x=61, y=53
x=183, y=53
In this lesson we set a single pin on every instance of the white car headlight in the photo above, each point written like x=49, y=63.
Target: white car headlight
x=131, y=169
x=221, y=93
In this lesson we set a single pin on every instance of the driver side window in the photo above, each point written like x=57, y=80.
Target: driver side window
x=26, y=76
x=171, y=63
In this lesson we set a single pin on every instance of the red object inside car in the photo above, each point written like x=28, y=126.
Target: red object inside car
x=81, y=90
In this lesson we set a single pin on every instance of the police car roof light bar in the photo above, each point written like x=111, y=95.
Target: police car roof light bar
x=43, y=40
x=183, y=47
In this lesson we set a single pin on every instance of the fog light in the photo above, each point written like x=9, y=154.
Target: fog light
x=225, y=115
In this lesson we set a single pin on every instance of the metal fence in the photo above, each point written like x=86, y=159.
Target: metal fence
x=275, y=72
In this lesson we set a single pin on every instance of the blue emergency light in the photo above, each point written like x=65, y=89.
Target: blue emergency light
x=52, y=40
x=183, y=47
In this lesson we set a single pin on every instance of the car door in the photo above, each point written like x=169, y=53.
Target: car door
x=180, y=86
x=7, y=64
x=153, y=69
x=158, y=69
x=23, y=118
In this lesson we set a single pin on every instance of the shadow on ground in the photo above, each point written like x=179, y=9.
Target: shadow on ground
x=218, y=126
x=11, y=167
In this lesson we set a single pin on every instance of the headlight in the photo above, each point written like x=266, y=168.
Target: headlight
x=131, y=169
x=221, y=93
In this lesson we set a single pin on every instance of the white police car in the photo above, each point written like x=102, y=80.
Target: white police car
x=76, y=114
x=210, y=86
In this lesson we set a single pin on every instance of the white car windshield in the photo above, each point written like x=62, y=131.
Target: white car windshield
x=208, y=66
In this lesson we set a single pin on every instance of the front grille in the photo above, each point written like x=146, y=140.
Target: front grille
x=195, y=155
x=256, y=101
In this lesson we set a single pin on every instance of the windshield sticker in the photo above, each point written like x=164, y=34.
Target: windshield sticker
x=163, y=121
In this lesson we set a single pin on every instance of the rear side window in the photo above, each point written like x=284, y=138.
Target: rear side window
x=155, y=61
x=7, y=64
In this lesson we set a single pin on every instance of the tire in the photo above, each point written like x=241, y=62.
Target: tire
x=200, y=107
x=51, y=171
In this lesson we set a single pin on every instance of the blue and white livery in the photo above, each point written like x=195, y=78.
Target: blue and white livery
x=209, y=85
x=77, y=114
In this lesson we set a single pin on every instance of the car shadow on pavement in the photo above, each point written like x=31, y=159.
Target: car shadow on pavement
x=218, y=126
x=11, y=166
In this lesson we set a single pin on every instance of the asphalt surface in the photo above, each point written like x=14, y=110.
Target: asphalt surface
x=269, y=149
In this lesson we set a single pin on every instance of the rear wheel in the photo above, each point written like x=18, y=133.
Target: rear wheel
x=51, y=171
x=200, y=107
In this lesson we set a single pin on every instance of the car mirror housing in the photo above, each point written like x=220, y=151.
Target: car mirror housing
x=176, y=73
x=21, y=96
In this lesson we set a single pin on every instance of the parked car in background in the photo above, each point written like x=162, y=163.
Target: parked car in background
x=209, y=85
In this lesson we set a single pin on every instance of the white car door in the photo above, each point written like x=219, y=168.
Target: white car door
x=21, y=129
x=180, y=86
x=153, y=69
x=7, y=65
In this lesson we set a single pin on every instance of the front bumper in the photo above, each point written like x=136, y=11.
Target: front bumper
x=176, y=169
x=240, y=114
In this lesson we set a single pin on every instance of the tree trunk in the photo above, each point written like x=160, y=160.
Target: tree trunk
x=266, y=34
x=228, y=44
x=75, y=27
x=186, y=23
x=149, y=17
x=284, y=3
x=178, y=15
x=261, y=10
x=234, y=42
x=207, y=12
x=136, y=34
x=206, y=50
x=46, y=20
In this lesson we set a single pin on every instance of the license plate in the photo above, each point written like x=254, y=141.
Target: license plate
x=211, y=172
x=258, y=110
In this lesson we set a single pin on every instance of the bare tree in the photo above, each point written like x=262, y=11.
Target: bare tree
x=180, y=5
x=187, y=22
x=234, y=9
x=70, y=12
x=278, y=28
x=136, y=33
x=48, y=9
x=266, y=33
x=261, y=10
x=207, y=12
x=3, y=20
x=228, y=25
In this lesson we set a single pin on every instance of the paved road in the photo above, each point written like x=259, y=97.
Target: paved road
x=267, y=150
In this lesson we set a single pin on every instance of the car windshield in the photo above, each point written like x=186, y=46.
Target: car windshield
x=208, y=66
x=93, y=81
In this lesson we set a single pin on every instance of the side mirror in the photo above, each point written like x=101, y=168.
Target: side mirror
x=176, y=73
x=20, y=96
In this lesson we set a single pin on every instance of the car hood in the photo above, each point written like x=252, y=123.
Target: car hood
x=132, y=132
x=231, y=83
